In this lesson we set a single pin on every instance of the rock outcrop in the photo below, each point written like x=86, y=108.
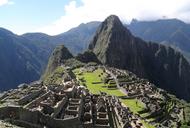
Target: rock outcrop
x=115, y=46
x=58, y=57
x=87, y=56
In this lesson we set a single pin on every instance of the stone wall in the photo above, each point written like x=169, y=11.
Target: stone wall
x=28, y=98
x=59, y=107
x=38, y=100
x=35, y=117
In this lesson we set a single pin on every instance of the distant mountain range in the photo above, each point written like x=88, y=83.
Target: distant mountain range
x=23, y=58
x=20, y=60
x=172, y=32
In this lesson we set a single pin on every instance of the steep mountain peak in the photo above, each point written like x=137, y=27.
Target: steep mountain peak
x=112, y=20
x=110, y=34
x=115, y=46
x=113, y=24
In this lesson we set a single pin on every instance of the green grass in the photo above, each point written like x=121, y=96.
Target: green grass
x=96, y=88
x=92, y=77
x=134, y=105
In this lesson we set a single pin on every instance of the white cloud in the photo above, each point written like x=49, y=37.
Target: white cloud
x=5, y=2
x=98, y=10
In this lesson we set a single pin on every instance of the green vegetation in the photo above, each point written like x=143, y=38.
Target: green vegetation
x=134, y=104
x=91, y=77
x=94, y=82
x=73, y=63
x=87, y=56
x=55, y=77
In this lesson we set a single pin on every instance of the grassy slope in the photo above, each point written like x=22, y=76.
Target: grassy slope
x=55, y=77
x=96, y=88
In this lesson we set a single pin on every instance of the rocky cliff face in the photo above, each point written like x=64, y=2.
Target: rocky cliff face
x=59, y=55
x=115, y=46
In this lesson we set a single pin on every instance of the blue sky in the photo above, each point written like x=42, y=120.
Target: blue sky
x=57, y=16
x=25, y=15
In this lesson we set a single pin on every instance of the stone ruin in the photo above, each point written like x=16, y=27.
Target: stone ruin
x=70, y=105
x=155, y=100
x=64, y=106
